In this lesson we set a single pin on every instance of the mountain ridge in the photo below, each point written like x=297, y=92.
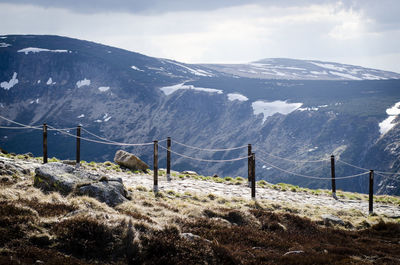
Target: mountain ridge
x=129, y=97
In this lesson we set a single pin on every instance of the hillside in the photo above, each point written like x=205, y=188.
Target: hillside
x=195, y=224
x=283, y=109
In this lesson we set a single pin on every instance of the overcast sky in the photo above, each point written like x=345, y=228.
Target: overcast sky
x=361, y=32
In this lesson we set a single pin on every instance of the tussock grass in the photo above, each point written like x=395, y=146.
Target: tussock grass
x=190, y=228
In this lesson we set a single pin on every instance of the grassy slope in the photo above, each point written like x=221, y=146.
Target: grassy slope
x=151, y=229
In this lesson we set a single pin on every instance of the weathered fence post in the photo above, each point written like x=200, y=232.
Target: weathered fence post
x=371, y=191
x=44, y=143
x=169, y=158
x=333, y=177
x=155, y=168
x=78, y=146
x=249, y=162
x=253, y=177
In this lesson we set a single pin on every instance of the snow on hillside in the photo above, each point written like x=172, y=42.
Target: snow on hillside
x=84, y=82
x=270, y=108
x=301, y=70
x=7, y=85
x=168, y=90
x=237, y=96
x=387, y=124
x=36, y=50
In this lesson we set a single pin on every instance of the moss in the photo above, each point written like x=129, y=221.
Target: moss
x=228, y=179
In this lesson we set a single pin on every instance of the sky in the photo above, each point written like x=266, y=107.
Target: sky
x=359, y=32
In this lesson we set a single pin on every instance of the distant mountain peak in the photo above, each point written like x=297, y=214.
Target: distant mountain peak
x=295, y=69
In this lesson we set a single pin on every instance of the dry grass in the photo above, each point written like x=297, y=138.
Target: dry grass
x=150, y=229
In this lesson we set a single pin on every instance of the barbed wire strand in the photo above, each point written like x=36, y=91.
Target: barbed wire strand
x=306, y=176
x=387, y=177
x=206, y=160
x=291, y=160
x=101, y=142
x=21, y=124
x=98, y=137
x=14, y=128
x=209, y=150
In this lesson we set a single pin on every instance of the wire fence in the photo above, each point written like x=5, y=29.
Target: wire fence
x=106, y=141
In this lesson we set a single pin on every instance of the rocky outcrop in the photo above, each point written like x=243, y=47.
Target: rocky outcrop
x=67, y=179
x=129, y=160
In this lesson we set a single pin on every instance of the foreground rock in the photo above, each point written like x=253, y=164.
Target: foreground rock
x=66, y=179
x=129, y=160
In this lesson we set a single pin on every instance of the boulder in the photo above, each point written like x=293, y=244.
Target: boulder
x=67, y=179
x=331, y=219
x=112, y=192
x=129, y=160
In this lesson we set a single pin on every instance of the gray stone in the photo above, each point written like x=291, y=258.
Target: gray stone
x=129, y=160
x=110, y=192
x=331, y=219
x=67, y=179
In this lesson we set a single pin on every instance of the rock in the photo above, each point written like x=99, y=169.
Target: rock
x=57, y=177
x=189, y=172
x=129, y=160
x=331, y=219
x=110, y=192
x=67, y=179
x=69, y=162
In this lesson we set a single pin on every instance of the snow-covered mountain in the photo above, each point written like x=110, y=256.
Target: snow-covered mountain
x=280, y=68
x=282, y=109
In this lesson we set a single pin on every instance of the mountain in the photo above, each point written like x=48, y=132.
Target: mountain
x=282, y=68
x=283, y=109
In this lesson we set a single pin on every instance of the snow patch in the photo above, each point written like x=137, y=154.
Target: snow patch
x=4, y=45
x=7, y=85
x=168, y=90
x=270, y=108
x=136, y=68
x=106, y=117
x=98, y=121
x=34, y=101
x=84, y=82
x=81, y=116
x=50, y=82
x=197, y=72
x=237, y=96
x=372, y=77
x=330, y=66
x=345, y=75
x=35, y=50
x=104, y=88
x=38, y=81
x=387, y=124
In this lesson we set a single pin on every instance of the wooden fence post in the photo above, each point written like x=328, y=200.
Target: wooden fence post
x=44, y=143
x=371, y=191
x=155, y=166
x=169, y=158
x=253, y=177
x=78, y=146
x=249, y=164
x=333, y=177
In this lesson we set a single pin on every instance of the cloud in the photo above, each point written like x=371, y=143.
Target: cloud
x=221, y=31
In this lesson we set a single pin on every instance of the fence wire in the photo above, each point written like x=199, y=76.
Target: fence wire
x=206, y=160
x=210, y=150
x=307, y=176
x=291, y=160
